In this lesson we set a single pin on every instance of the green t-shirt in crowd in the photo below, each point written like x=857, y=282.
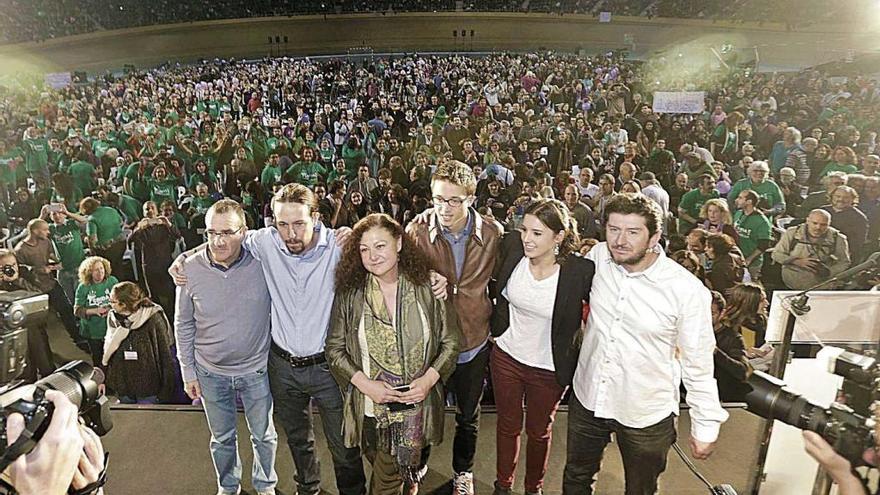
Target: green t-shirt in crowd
x=691, y=202
x=767, y=190
x=270, y=176
x=139, y=187
x=305, y=173
x=200, y=205
x=751, y=229
x=105, y=224
x=68, y=242
x=160, y=190
x=36, y=154
x=130, y=207
x=94, y=296
x=838, y=167
x=83, y=175
x=7, y=173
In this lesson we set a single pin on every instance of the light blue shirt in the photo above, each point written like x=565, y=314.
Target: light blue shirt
x=301, y=286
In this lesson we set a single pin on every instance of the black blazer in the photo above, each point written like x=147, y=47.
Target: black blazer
x=573, y=289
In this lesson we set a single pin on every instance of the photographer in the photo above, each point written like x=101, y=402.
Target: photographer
x=838, y=468
x=39, y=352
x=68, y=455
x=811, y=252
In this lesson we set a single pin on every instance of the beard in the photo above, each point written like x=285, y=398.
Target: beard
x=633, y=258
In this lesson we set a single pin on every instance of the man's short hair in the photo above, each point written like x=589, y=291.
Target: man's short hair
x=636, y=204
x=457, y=173
x=35, y=223
x=647, y=176
x=820, y=211
x=227, y=206
x=296, y=193
x=751, y=196
x=88, y=206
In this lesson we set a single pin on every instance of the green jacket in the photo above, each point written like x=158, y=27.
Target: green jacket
x=343, y=352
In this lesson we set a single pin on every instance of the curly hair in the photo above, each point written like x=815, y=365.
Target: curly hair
x=85, y=269
x=412, y=262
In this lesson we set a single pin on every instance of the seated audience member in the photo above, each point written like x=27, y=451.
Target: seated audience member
x=715, y=217
x=690, y=262
x=811, y=252
x=726, y=261
x=731, y=365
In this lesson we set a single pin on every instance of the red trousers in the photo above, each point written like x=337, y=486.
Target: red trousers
x=515, y=385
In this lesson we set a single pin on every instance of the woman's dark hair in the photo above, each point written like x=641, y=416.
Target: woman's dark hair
x=555, y=215
x=683, y=256
x=743, y=301
x=722, y=244
x=131, y=296
x=412, y=263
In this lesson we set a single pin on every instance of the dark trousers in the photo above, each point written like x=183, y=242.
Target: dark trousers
x=643, y=451
x=466, y=384
x=40, y=360
x=515, y=383
x=293, y=390
x=96, y=350
x=114, y=253
x=59, y=303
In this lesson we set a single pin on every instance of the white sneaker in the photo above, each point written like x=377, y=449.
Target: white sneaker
x=463, y=484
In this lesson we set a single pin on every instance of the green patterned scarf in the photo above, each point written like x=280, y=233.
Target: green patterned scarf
x=397, y=356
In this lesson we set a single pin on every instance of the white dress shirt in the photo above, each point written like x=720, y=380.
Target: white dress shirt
x=627, y=369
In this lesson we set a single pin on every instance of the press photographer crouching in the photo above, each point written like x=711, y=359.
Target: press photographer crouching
x=49, y=429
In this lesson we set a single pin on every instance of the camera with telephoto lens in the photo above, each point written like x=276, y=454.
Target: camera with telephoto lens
x=848, y=424
x=77, y=380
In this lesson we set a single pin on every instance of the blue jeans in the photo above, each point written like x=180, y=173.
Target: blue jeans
x=218, y=399
x=293, y=390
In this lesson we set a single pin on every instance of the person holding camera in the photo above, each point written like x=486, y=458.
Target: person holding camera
x=40, y=358
x=811, y=252
x=838, y=468
x=68, y=456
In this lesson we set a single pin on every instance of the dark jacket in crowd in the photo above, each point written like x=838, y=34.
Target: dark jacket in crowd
x=731, y=365
x=152, y=373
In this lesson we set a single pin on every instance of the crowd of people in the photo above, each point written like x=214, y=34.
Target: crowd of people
x=39, y=20
x=352, y=196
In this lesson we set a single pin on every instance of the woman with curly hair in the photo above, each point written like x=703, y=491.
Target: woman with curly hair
x=536, y=343
x=92, y=303
x=394, y=342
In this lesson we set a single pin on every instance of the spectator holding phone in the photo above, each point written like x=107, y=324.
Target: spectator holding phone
x=395, y=342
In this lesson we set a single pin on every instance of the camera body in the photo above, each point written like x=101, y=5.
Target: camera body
x=848, y=424
x=77, y=380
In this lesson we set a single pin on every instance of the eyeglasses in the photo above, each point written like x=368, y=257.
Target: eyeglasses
x=226, y=234
x=453, y=202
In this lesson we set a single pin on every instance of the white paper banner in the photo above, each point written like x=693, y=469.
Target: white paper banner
x=679, y=101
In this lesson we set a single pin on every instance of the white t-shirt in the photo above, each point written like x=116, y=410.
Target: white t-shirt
x=531, y=316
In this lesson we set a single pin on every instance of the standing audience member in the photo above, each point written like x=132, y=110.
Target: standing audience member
x=849, y=220
x=811, y=252
x=137, y=348
x=92, y=303
x=536, y=343
x=727, y=264
x=754, y=231
x=731, y=365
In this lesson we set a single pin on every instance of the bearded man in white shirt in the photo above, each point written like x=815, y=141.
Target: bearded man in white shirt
x=649, y=330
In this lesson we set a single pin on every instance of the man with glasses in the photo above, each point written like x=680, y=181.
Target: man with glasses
x=298, y=257
x=222, y=332
x=462, y=246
